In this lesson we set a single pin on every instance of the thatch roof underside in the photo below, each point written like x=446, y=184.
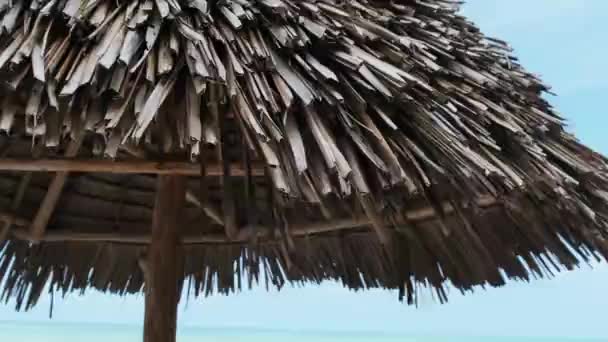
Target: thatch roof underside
x=380, y=143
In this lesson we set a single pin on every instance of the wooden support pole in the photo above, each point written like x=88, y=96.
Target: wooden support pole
x=164, y=263
x=123, y=167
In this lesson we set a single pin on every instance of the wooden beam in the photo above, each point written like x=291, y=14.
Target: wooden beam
x=16, y=220
x=124, y=167
x=208, y=208
x=245, y=234
x=49, y=202
x=164, y=264
x=19, y=194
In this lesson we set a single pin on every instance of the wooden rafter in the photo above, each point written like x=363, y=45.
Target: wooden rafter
x=123, y=167
x=19, y=194
x=47, y=207
x=22, y=187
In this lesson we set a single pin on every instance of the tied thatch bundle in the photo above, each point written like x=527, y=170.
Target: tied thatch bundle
x=375, y=109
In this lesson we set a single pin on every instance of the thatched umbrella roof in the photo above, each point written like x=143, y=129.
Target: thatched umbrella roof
x=379, y=143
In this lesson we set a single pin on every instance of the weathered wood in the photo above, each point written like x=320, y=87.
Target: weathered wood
x=208, y=208
x=245, y=234
x=123, y=167
x=21, y=188
x=47, y=207
x=24, y=183
x=164, y=265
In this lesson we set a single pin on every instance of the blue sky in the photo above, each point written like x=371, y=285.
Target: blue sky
x=565, y=42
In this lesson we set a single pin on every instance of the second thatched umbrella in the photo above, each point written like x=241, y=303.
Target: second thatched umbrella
x=170, y=144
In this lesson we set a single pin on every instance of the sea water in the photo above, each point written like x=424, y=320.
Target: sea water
x=87, y=332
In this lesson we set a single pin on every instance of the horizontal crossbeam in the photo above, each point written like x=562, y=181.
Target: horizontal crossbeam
x=245, y=234
x=123, y=166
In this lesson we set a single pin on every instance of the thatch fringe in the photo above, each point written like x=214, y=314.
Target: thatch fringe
x=520, y=244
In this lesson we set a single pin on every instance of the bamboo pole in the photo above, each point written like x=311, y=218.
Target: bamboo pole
x=124, y=167
x=164, y=263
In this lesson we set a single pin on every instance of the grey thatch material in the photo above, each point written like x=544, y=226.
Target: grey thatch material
x=380, y=143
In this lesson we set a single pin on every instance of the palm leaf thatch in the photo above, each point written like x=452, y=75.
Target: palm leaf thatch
x=379, y=143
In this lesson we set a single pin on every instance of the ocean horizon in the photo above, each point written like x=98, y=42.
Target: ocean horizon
x=103, y=332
